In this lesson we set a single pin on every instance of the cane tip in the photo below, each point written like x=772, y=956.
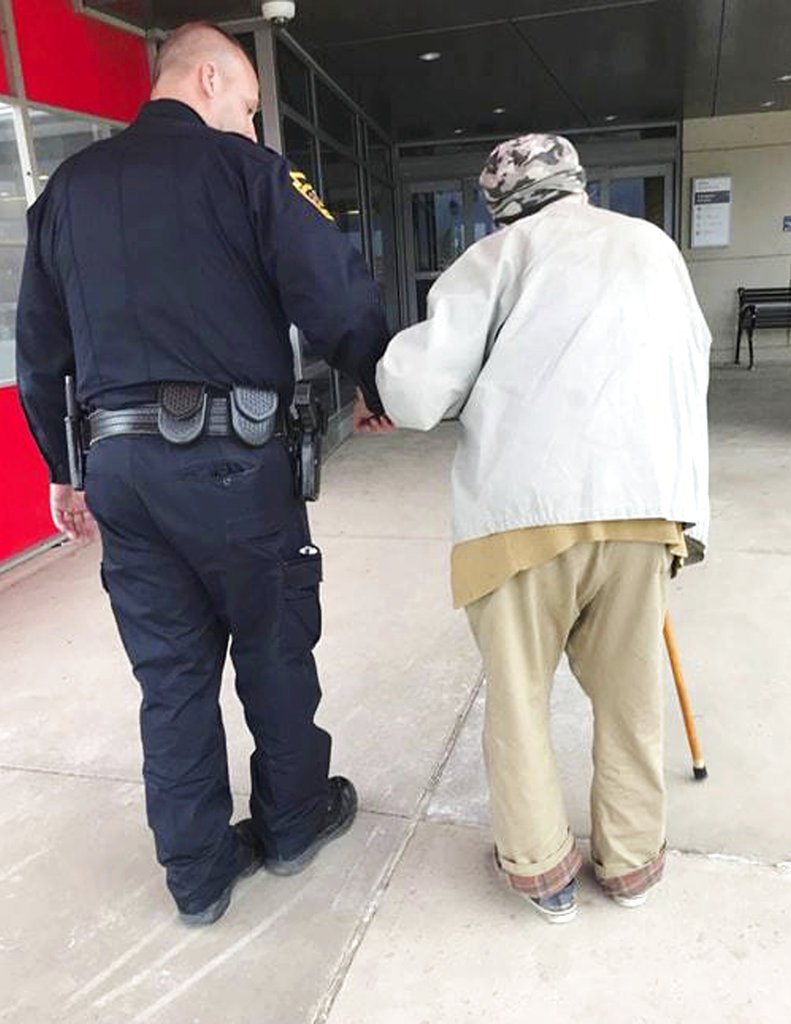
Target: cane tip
x=700, y=772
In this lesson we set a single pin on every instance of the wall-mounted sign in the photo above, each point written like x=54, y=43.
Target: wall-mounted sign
x=711, y=212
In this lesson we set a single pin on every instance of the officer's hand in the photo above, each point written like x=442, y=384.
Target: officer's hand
x=70, y=513
x=365, y=422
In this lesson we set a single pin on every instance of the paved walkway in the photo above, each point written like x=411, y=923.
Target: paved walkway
x=402, y=922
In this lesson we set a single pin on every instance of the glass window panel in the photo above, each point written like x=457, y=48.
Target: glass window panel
x=639, y=197
x=59, y=136
x=341, y=193
x=247, y=41
x=383, y=247
x=11, y=260
x=482, y=223
x=334, y=116
x=379, y=155
x=12, y=189
x=593, y=188
x=438, y=225
x=423, y=288
x=293, y=80
x=300, y=148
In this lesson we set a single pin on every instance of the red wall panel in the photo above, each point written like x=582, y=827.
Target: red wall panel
x=70, y=60
x=79, y=64
x=24, y=510
x=5, y=85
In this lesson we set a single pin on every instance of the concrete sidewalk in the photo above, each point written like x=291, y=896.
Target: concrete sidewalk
x=402, y=922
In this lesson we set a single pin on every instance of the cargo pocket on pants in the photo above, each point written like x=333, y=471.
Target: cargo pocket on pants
x=301, y=612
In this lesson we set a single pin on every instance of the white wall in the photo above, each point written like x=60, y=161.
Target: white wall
x=755, y=150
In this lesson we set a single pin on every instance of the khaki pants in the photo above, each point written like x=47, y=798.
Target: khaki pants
x=604, y=604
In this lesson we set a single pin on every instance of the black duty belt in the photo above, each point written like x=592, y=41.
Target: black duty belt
x=186, y=412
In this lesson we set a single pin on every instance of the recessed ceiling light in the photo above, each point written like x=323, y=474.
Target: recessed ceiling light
x=429, y=56
x=610, y=118
x=768, y=103
x=499, y=110
x=784, y=78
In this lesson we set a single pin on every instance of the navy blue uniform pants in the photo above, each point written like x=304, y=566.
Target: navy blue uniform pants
x=201, y=546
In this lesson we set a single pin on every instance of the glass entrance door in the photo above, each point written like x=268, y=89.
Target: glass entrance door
x=645, y=192
x=443, y=219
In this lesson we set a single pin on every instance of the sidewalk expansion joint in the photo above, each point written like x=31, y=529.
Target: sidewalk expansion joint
x=371, y=909
x=69, y=773
x=745, y=860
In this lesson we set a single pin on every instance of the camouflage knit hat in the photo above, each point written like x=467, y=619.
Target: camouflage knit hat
x=524, y=174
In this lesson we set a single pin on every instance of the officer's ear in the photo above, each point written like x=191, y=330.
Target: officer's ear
x=208, y=78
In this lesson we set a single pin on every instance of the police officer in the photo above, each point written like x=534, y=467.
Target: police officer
x=163, y=269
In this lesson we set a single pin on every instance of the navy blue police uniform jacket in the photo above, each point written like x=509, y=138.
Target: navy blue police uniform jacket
x=175, y=252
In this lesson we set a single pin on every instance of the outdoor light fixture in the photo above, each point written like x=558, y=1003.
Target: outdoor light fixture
x=458, y=131
x=610, y=118
x=768, y=103
x=278, y=12
x=430, y=56
x=499, y=110
x=784, y=78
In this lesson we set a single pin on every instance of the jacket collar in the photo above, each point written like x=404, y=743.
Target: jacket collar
x=157, y=111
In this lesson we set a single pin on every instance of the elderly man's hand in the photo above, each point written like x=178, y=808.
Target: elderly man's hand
x=365, y=422
x=70, y=513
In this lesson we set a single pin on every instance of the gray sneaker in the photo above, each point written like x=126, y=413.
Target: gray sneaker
x=252, y=857
x=560, y=908
x=631, y=902
x=340, y=813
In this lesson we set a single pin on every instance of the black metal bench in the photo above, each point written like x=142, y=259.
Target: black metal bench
x=761, y=307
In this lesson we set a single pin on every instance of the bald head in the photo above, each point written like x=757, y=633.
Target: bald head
x=204, y=67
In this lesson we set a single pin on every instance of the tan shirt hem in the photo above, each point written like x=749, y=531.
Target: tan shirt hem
x=480, y=566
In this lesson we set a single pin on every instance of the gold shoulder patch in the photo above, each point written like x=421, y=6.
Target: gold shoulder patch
x=307, y=191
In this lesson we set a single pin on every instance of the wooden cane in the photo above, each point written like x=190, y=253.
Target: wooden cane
x=698, y=764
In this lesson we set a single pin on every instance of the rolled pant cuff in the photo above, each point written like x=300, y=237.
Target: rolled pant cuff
x=550, y=881
x=635, y=882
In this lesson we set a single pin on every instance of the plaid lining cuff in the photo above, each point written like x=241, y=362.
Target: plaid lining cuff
x=539, y=887
x=636, y=882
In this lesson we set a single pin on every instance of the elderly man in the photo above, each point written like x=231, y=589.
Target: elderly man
x=572, y=341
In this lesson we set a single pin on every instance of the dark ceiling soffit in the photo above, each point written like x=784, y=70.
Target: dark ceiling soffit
x=97, y=9
x=540, y=60
x=493, y=137
x=607, y=5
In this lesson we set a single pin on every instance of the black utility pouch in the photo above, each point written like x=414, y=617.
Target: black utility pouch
x=182, y=412
x=253, y=415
